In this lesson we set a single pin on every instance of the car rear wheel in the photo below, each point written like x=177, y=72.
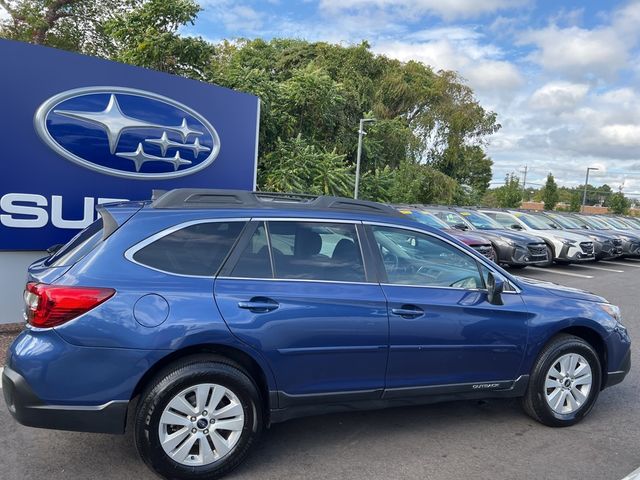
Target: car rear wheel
x=198, y=419
x=564, y=383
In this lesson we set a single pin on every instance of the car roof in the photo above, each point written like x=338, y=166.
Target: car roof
x=214, y=199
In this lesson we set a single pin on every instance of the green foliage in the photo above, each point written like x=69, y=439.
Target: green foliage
x=76, y=25
x=510, y=194
x=297, y=166
x=148, y=36
x=575, y=204
x=376, y=184
x=418, y=183
x=619, y=204
x=550, y=193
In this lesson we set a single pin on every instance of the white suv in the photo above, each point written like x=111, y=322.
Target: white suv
x=563, y=246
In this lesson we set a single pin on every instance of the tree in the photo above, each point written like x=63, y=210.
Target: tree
x=75, y=25
x=419, y=183
x=297, y=166
x=510, y=194
x=148, y=36
x=550, y=193
x=619, y=204
x=575, y=204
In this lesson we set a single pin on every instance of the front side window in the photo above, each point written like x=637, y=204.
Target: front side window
x=197, y=249
x=481, y=221
x=316, y=251
x=413, y=258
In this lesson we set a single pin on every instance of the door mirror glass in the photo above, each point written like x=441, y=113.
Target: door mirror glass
x=495, y=288
x=460, y=226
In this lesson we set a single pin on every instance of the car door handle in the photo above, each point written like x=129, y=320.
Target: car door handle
x=259, y=305
x=408, y=311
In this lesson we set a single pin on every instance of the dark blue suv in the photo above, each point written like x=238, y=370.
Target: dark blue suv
x=208, y=315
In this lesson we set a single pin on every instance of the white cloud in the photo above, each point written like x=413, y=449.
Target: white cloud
x=448, y=9
x=4, y=15
x=460, y=49
x=234, y=15
x=559, y=97
x=578, y=52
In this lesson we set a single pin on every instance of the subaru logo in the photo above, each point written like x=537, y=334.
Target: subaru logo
x=127, y=133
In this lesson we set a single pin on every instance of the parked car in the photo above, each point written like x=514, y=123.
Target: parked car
x=564, y=247
x=476, y=242
x=606, y=245
x=211, y=314
x=630, y=238
x=515, y=249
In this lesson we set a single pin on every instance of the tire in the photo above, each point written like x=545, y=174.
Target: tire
x=228, y=387
x=549, y=262
x=518, y=266
x=538, y=399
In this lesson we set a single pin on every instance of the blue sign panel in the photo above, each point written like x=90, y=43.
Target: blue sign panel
x=78, y=131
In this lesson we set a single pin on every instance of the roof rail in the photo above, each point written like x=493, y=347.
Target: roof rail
x=193, y=198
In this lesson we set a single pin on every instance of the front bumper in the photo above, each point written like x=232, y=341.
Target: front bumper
x=576, y=253
x=614, y=378
x=25, y=406
x=631, y=248
x=523, y=255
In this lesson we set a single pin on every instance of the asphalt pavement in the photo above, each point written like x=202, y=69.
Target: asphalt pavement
x=491, y=439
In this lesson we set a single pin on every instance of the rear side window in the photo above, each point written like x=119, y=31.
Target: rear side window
x=78, y=246
x=194, y=250
x=316, y=251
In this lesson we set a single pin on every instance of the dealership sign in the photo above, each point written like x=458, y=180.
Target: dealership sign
x=79, y=131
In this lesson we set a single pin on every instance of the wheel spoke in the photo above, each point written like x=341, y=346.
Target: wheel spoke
x=564, y=364
x=554, y=373
x=554, y=396
x=183, y=451
x=573, y=361
x=583, y=380
x=208, y=455
x=231, y=410
x=170, y=442
x=571, y=401
x=552, y=383
x=578, y=395
x=171, y=418
x=216, y=396
x=233, y=424
x=202, y=393
x=181, y=404
x=220, y=444
x=582, y=369
x=560, y=400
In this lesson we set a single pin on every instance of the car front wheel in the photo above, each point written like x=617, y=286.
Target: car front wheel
x=564, y=383
x=198, y=420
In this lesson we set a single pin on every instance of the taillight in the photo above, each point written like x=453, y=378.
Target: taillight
x=52, y=305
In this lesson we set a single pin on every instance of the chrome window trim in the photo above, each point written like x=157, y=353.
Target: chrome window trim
x=480, y=259
x=131, y=251
x=307, y=280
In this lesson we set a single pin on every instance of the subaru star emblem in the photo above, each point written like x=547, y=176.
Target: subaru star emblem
x=127, y=133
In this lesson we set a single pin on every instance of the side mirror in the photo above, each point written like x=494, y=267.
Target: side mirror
x=515, y=226
x=54, y=248
x=460, y=226
x=495, y=287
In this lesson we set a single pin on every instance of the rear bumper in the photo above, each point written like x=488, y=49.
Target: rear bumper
x=25, y=406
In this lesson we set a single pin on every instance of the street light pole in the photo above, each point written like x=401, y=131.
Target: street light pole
x=360, y=135
x=586, y=182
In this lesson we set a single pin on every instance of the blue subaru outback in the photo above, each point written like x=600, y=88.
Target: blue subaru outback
x=207, y=315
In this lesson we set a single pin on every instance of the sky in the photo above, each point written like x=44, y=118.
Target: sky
x=563, y=76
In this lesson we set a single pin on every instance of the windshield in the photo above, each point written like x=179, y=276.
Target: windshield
x=616, y=223
x=532, y=222
x=428, y=219
x=550, y=222
x=564, y=222
x=481, y=221
x=597, y=223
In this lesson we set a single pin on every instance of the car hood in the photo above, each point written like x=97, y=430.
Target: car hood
x=626, y=235
x=562, y=290
x=595, y=234
x=467, y=238
x=518, y=237
x=562, y=235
